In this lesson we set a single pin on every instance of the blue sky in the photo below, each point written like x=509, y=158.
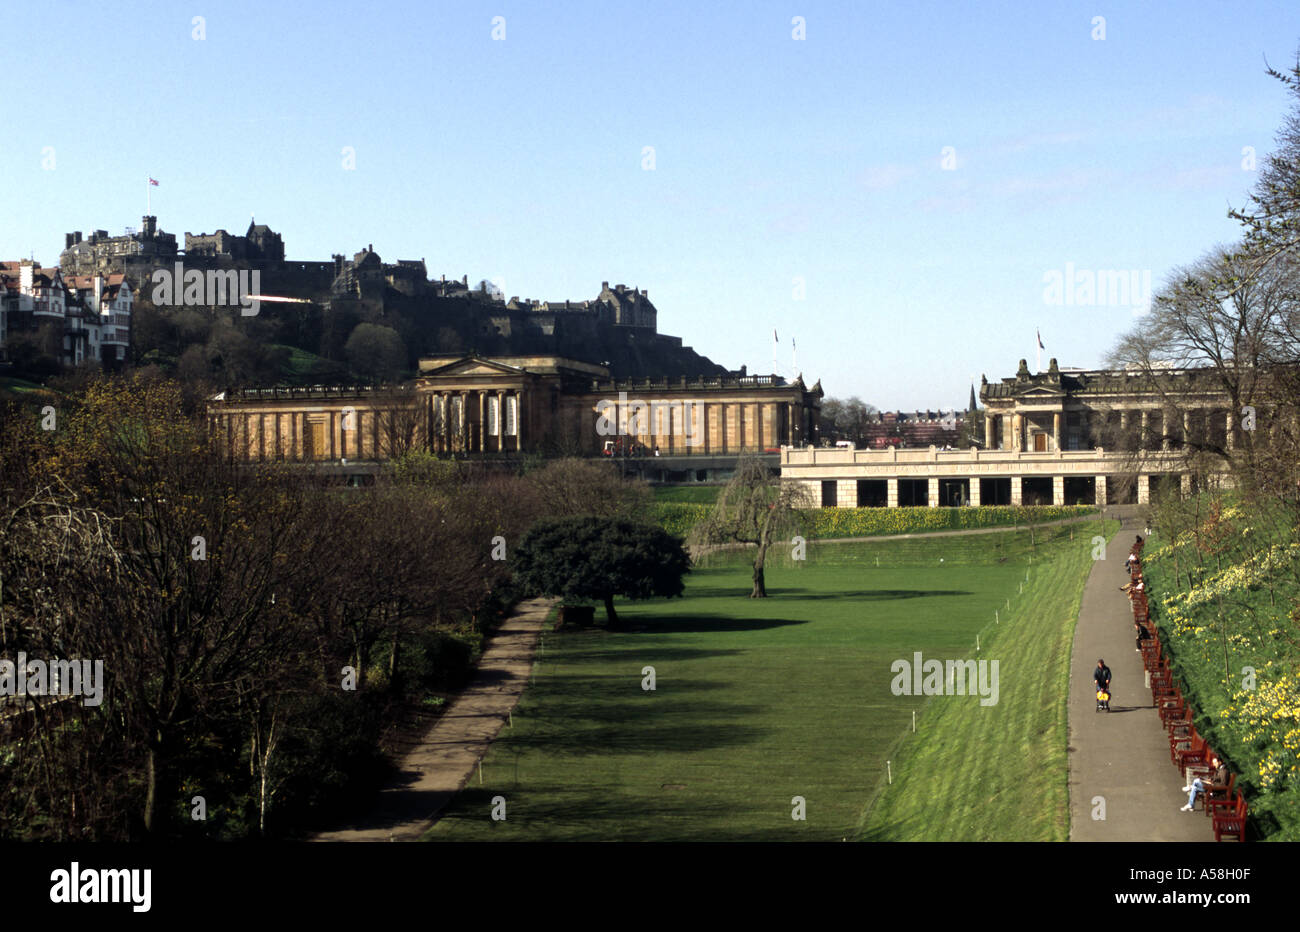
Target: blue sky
x=776, y=161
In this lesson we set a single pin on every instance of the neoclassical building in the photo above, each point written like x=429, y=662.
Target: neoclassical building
x=510, y=404
x=1056, y=437
x=1086, y=409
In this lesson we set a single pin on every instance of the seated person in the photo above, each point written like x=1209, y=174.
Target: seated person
x=1220, y=782
x=1142, y=633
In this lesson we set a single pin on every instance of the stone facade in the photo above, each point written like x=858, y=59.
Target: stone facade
x=1059, y=437
x=1086, y=409
x=502, y=405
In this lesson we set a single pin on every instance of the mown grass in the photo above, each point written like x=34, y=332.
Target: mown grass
x=679, y=516
x=757, y=702
x=692, y=494
x=997, y=773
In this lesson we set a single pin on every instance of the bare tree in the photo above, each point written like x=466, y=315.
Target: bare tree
x=754, y=508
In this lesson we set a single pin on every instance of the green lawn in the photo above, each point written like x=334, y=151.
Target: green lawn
x=761, y=701
x=690, y=494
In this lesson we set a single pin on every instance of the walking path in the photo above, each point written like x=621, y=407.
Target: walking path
x=1120, y=759
x=443, y=761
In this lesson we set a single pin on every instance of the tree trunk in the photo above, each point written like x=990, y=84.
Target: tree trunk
x=151, y=790
x=611, y=616
x=760, y=590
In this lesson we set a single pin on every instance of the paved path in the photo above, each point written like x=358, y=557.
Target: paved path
x=1121, y=756
x=436, y=769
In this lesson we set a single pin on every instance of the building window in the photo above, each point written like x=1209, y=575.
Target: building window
x=493, y=415
x=828, y=493
x=512, y=416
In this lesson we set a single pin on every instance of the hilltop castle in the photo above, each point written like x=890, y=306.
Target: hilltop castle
x=617, y=328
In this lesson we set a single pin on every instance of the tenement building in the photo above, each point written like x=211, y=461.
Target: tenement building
x=511, y=404
x=1056, y=437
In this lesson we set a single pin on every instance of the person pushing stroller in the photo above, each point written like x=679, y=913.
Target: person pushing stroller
x=1101, y=677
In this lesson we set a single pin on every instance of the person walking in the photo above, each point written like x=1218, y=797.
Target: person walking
x=1101, y=676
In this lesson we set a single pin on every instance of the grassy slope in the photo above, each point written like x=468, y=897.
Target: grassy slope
x=1212, y=640
x=756, y=702
x=963, y=775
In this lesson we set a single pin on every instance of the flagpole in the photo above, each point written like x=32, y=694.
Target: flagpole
x=148, y=198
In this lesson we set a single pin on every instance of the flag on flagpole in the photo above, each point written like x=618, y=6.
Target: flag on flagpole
x=152, y=182
x=1040, y=340
x=774, y=337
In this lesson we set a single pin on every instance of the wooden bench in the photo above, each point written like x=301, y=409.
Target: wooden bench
x=1232, y=821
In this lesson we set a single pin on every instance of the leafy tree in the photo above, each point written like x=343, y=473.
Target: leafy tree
x=846, y=419
x=754, y=508
x=599, y=558
x=375, y=352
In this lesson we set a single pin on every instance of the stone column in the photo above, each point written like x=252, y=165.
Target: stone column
x=891, y=493
x=1146, y=422
x=1058, y=490
x=1017, y=490
x=1100, y=493
x=519, y=419
x=1228, y=423
x=1185, y=481
x=482, y=421
x=501, y=421
x=1017, y=430
x=974, y=491
x=1144, y=489
x=988, y=430
x=1187, y=427
x=1056, y=431
x=932, y=492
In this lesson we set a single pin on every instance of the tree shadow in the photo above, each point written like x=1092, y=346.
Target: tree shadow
x=869, y=595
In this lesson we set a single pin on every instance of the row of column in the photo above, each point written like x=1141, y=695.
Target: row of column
x=1020, y=422
x=441, y=410
x=723, y=426
x=846, y=493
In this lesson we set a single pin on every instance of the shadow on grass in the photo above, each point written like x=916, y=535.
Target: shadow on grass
x=638, y=625
x=690, y=813
x=870, y=595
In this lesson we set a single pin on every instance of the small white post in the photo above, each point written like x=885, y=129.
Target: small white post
x=997, y=618
x=977, y=643
x=914, y=721
x=889, y=771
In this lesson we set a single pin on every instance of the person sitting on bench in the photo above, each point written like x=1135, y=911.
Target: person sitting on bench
x=1220, y=782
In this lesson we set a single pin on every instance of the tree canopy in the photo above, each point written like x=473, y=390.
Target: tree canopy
x=589, y=557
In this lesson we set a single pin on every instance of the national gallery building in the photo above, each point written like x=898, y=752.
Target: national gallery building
x=469, y=405
x=1060, y=437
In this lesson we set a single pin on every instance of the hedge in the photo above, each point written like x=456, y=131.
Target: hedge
x=679, y=517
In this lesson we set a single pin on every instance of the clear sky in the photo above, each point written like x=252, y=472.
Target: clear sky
x=776, y=161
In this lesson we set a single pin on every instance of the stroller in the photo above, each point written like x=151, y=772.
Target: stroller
x=1103, y=700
